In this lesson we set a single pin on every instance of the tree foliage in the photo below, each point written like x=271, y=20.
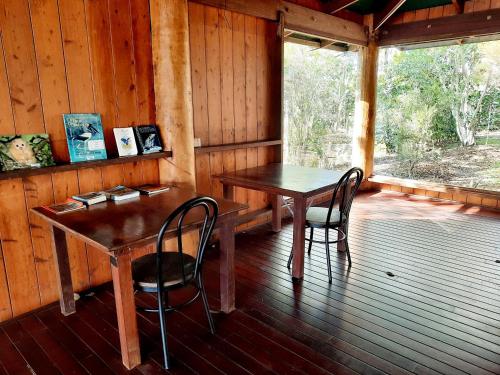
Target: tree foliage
x=459, y=82
x=320, y=89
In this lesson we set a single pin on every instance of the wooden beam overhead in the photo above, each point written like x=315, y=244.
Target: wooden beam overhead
x=297, y=18
x=308, y=21
x=382, y=17
x=466, y=25
x=267, y=9
x=459, y=5
x=336, y=5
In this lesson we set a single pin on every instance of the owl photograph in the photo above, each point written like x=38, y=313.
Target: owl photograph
x=25, y=151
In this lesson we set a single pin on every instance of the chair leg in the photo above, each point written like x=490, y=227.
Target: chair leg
x=328, y=263
x=205, y=304
x=348, y=253
x=163, y=327
x=290, y=259
x=346, y=231
x=310, y=241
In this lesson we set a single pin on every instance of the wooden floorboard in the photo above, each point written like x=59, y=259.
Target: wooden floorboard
x=438, y=314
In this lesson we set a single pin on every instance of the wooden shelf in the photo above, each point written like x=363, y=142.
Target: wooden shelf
x=20, y=173
x=236, y=146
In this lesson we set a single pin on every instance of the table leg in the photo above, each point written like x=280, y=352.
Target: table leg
x=121, y=269
x=299, y=232
x=276, y=200
x=228, y=191
x=63, y=271
x=227, y=283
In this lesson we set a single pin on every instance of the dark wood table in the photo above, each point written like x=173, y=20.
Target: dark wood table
x=280, y=180
x=117, y=229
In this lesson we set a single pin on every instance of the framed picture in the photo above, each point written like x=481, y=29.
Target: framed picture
x=85, y=136
x=25, y=151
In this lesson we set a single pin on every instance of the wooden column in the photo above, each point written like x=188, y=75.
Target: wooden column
x=366, y=108
x=173, y=95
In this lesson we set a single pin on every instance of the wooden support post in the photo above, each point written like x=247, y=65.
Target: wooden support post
x=364, y=120
x=63, y=271
x=173, y=93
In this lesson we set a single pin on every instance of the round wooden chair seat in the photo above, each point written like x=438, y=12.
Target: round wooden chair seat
x=144, y=270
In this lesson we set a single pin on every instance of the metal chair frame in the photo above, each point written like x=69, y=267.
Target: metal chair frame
x=211, y=211
x=345, y=198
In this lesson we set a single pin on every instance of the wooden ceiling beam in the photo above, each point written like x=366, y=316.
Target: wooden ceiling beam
x=297, y=18
x=459, y=5
x=382, y=17
x=467, y=25
x=336, y=5
x=312, y=22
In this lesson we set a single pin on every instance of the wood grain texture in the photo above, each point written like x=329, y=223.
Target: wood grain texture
x=438, y=314
x=59, y=57
x=234, y=72
x=174, y=111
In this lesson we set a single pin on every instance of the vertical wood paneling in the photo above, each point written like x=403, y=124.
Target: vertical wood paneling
x=20, y=61
x=251, y=102
x=61, y=56
x=233, y=65
x=227, y=87
x=17, y=248
x=6, y=127
x=39, y=192
x=103, y=77
x=54, y=96
x=240, y=128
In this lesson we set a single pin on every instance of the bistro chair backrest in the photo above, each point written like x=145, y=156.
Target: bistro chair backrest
x=210, y=211
x=344, y=193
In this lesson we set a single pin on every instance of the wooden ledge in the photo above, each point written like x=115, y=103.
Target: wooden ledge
x=237, y=146
x=20, y=173
x=432, y=186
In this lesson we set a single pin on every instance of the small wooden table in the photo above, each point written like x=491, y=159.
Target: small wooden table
x=280, y=180
x=117, y=229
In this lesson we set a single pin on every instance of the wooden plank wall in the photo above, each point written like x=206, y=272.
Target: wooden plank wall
x=62, y=56
x=470, y=6
x=236, y=75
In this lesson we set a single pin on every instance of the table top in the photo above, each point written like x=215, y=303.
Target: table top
x=289, y=180
x=117, y=227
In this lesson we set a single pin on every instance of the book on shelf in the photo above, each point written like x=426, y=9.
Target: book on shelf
x=120, y=193
x=25, y=151
x=90, y=198
x=151, y=189
x=85, y=136
x=125, y=141
x=148, y=139
x=69, y=206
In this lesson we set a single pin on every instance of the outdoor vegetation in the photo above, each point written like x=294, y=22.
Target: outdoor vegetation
x=437, y=119
x=320, y=90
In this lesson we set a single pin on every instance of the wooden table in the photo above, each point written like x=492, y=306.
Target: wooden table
x=280, y=180
x=117, y=229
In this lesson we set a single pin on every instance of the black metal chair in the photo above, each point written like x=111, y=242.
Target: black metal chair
x=162, y=272
x=336, y=219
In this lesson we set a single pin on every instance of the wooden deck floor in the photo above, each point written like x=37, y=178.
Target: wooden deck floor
x=439, y=313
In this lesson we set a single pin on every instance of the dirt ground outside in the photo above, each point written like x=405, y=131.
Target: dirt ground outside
x=475, y=167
